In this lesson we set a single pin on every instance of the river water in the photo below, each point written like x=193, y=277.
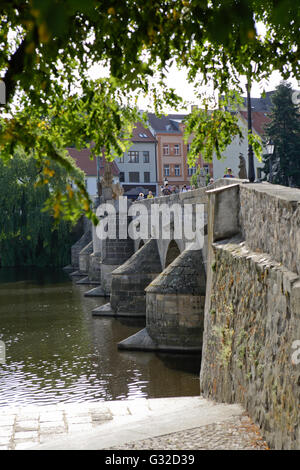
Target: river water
x=56, y=351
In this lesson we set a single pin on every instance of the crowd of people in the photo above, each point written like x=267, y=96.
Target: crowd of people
x=167, y=190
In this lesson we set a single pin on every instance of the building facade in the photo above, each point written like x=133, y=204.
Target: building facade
x=236, y=154
x=172, y=151
x=171, y=155
x=137, y=166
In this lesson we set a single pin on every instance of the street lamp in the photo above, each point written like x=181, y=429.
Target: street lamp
x=270, y=151
x=251, y=172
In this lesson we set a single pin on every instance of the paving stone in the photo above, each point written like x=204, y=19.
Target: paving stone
x=26, y=425
x=25, y=435
x=7, y=420
x=236, y=433
x=79, y=427
x=25, y=445
x=4, y=441
x=78, y=419
x=6, y=431
x=51, y=417
x=99, y=417
x=53, y=429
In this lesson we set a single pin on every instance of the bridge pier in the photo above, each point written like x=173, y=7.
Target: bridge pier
x=174, y=308
x=128, y=297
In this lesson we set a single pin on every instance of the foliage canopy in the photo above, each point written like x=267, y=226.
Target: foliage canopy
x=284, y=132
x=47, y=49
x=28, y=235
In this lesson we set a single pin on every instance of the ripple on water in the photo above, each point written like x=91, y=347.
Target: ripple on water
x=56, y=351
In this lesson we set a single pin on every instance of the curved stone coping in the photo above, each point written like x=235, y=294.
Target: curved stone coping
x=106, y=311
x=145, y=260
x=69, y=268
x=78, y=273
x=96, y=292
x=185, y=275
x=141, y=341
x=87, y=250
x=86, y=280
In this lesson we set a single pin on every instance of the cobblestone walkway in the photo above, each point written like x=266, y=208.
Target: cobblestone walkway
x=130, y=424
x=237, y=433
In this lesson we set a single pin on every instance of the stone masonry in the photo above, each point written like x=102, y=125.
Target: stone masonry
x=131, y=278
x=175, y=303
x=252, y=311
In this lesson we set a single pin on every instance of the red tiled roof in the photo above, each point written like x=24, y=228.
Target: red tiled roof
x=89, y=166
x=259, y=120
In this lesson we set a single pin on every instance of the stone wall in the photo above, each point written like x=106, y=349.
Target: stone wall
x=252, y=309
x=270, y=222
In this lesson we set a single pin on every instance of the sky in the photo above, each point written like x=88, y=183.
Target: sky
x=177, y=79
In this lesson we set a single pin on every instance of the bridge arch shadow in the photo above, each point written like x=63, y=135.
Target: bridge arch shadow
x=172, y=252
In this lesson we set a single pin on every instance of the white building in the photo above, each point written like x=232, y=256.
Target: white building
x=231, y=156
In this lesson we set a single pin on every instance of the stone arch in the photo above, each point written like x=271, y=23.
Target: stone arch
x=172, y=253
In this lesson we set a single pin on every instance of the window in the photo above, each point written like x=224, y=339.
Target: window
x=176, y=149
x=206, y=169
x=134, y=177
x=146, y=156
x=191, y=170
x=122, y=176
x=147, y=177
x=177, y=170
x=166, y=149
x=143, y=135
x=133, y=157
x=188, y=147
x=121, y=159
x=166, y=170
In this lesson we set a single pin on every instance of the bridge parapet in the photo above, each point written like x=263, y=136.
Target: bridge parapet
x=252, y=307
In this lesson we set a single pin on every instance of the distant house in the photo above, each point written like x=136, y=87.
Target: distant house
x=89, y=167
x=231, y=156
x=171, y=164
x=172, y=151
x=137, y=166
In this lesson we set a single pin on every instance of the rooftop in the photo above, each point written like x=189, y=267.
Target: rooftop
x=88, y=165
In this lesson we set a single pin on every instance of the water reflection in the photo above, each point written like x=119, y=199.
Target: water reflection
x=56, y=351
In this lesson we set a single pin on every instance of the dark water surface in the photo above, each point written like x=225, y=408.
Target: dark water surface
x=56, y=351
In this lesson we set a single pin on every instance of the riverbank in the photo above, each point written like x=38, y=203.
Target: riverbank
x=187, y=423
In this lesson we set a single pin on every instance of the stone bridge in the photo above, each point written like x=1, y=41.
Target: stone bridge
x=158, y=276
x=236, y=299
